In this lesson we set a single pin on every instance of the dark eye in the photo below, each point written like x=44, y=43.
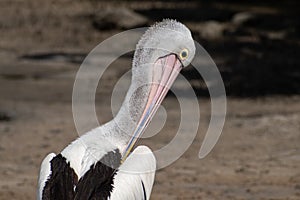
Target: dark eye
x=183, y=54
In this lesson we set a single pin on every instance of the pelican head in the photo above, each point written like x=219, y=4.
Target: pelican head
x=164, y=49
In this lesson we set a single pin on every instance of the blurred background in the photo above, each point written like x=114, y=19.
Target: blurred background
x=255, y=45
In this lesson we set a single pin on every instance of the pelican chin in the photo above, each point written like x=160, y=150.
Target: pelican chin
x=91, y=166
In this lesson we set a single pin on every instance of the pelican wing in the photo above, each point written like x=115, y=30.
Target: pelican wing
x=57, y=178
x=45, y=172
x=135, y=177
x=97, y=182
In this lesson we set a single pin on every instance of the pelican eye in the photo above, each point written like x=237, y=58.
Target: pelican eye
x=183, y=54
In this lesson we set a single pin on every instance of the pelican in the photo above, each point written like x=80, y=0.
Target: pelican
x=94, y=166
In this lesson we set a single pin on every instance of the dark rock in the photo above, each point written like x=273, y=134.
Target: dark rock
x=6, y=116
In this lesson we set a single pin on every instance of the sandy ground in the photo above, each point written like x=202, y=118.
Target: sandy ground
x=257, y=156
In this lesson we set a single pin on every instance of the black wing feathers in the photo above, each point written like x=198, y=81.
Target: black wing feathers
x=97, y=183
x=144, y=190
x=60, y=185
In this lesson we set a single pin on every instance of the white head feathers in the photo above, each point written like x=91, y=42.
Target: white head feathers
x=161, y=39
